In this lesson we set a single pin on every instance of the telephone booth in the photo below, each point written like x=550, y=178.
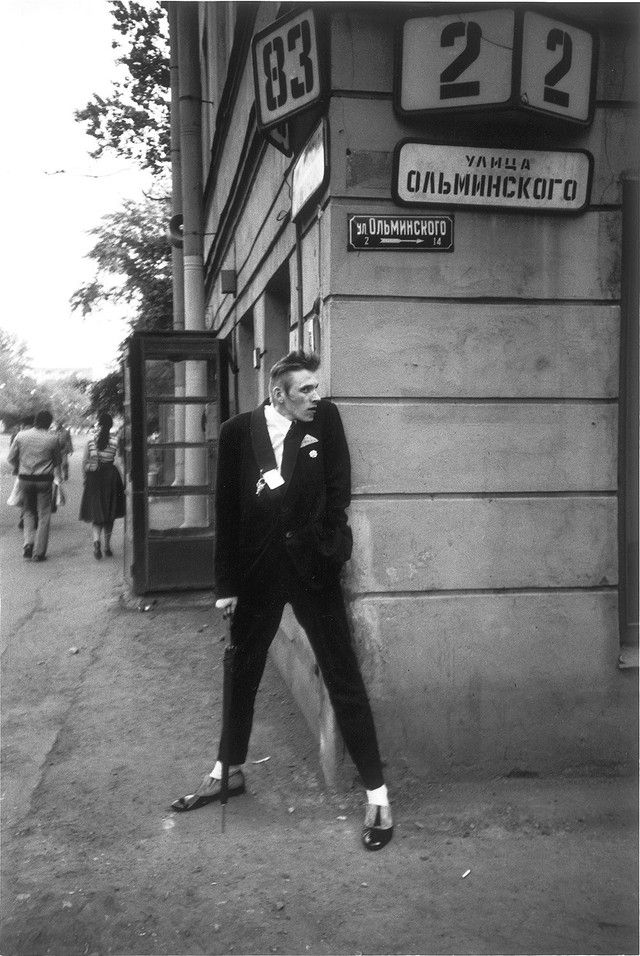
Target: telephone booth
x=176, y=397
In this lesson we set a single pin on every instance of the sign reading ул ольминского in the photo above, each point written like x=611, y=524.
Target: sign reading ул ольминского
x=427, y=174
x=390, y=233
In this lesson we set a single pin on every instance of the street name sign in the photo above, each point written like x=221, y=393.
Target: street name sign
x=372, y=233
x=509, y=59
x=431, y=174
x=286, y=68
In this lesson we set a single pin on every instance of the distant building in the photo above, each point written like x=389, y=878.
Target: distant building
x=59, y=373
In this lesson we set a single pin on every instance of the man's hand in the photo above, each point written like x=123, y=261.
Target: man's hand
x=227, y=604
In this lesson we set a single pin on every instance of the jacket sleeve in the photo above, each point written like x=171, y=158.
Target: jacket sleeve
x=14, y=455
x=227, y=512
x=89, y=461
x=337, y=467
x=338, y=539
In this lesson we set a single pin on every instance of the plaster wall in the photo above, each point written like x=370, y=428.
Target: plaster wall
x=481, y=409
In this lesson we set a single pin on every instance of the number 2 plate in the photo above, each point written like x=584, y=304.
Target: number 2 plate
x=501, y=58
x=286, y=68
x=558, y=70
x=456, y=61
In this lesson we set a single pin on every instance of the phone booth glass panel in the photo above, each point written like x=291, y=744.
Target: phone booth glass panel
x=176, y=398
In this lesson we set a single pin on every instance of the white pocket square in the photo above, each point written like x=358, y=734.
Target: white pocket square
x=308, y=440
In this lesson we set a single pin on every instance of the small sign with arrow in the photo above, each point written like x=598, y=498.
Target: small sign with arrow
x=392, y=233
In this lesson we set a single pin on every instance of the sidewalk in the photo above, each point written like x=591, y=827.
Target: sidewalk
x=110, y=712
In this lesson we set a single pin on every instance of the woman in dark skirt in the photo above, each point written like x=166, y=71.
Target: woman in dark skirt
x=103, y=495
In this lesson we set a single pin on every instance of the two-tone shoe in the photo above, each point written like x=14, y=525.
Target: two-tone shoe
x=209, y=791
x=378, y=827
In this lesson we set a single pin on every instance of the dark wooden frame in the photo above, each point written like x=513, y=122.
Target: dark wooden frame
x=192, y=548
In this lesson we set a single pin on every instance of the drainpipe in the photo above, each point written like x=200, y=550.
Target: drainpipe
x=177, y=265
x=190, y=96
x=628, y=419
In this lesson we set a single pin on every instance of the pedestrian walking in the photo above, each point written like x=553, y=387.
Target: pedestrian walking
x=66, y=447
x=103, y=493
x=21, y=426
x=36, y=459
x=283, y=487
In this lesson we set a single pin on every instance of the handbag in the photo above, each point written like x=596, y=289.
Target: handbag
x=15, y=498
x=57, y=496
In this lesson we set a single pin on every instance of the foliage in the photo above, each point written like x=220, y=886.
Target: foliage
x=107, y=395
x=18, y=389
x=68, y=399
x=133, y=260
x=134, y=120
x=132, y=254
x=21, y=396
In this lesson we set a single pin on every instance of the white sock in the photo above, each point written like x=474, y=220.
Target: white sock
x=379, y=797
x=216, y=773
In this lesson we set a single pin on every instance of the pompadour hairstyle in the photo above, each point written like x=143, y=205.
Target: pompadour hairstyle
x=295, y=361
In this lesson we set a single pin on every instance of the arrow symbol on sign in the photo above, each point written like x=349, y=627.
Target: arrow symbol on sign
x=396, y=241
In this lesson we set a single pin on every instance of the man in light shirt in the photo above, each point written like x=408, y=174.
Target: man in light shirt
x=36, y=459
x=283, y=487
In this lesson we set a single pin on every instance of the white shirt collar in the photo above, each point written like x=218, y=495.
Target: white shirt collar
x=276, y=421
x=278, y=427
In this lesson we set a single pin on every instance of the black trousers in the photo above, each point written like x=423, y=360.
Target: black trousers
x=322, y=615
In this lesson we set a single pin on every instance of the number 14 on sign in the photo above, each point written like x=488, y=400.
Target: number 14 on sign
x=496, y=58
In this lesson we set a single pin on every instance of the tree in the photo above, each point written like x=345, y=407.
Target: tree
x=133, y=259
x=19, y=394
x=134, y=120
x=132, y=254
x=107, y=395
x=68, y=399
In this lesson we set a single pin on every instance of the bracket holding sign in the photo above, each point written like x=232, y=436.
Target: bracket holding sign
x=288, y=68
x=507, y=59
x=280, y=137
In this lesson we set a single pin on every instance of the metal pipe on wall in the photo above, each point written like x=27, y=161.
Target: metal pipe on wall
x=190, y=97
x=300, y=296
x=628, y=413
x=177, y=265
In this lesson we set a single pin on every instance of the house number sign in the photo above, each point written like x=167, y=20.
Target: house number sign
x=286, y=68
x=504, y=58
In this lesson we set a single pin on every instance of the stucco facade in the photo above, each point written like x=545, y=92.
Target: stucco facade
x=479, y=389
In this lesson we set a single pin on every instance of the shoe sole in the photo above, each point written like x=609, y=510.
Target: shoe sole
x=180, y=805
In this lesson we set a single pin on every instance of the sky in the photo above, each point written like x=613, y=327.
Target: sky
x=56, y=54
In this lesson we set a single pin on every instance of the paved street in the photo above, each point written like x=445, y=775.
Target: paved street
x=108, y=713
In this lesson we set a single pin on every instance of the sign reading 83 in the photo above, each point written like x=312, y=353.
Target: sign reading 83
x=286, y=68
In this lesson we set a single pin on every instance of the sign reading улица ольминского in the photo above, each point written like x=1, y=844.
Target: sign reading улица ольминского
x=484, y=177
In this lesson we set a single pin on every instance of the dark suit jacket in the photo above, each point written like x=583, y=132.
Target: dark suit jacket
x=306, y=515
